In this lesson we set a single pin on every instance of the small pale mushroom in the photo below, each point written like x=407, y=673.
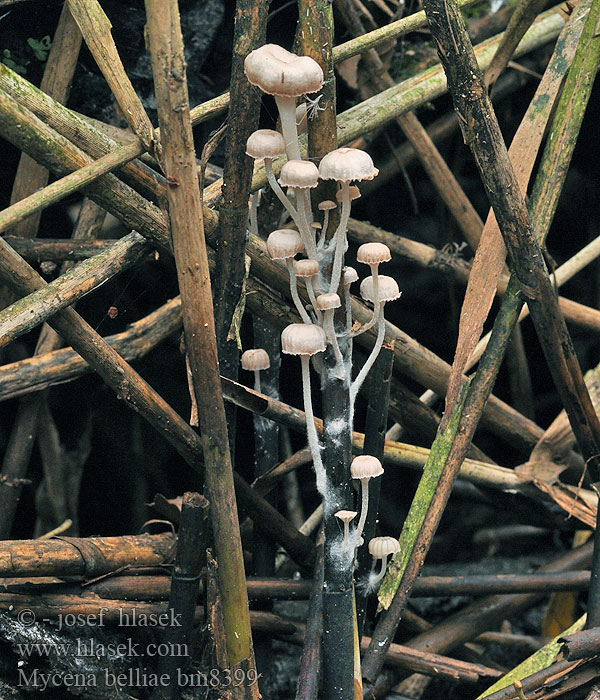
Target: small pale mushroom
x=283, y=244
x=307, y=340
x=346, y=516
x=325, y=206
x=328, y=303
x=353, y=192
x=373, y=254
x=286, y=76
x=364, y=468
x=255, y=360
x=301, y=176
x=344, y=165
x=387, y=291
x=306, y=269
x=268, y=144
x=380, y=548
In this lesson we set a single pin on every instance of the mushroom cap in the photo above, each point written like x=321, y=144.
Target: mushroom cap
x=299, y=173
x=327, y=205
x=353, y=192
x=255, y=359
x=265, y=143
x=306, y=267
x=350, y=275
x=388, y=289
x=284, y=243
x=373, y=253
x=347, y=164
x=381, y=547
x=303, y=339
x=327, y=301
x=276, y=71
x=346, y=516
x=365, y=467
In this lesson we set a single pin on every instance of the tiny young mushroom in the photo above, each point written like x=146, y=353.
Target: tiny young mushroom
x=302, y=175
x=364, y=468
x=380, y=548
x=328, y=303
x=255, y=360
x=307, y=340
x=353, y=192
x=286, y=76
x=344, y=165
x=346, y=516
x=387, y=291
x=307, y=269
x=325, y=206
x=373, y=254
x=283, y=244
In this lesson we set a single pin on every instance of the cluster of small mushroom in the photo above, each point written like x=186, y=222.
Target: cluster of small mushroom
x=363, y=469
x=321, y=270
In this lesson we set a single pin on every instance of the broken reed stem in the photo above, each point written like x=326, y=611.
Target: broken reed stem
x=95, y=28
x=307, y=687
x=57, y=249
x=87, y=557
x=190, y=557
x=40, y=372
x=435, y=166
x=446, y=455
x=431, y=258
x=244, y=110
x=24, y=430
x=482, y=133
x=185, y=214
x=520, y=21
x=481, y=384
x=315, y=39
x=490, y=257
x=60, y=189
x=374, y=444
x=128, y=385
x=34, y=309
x=56, y=81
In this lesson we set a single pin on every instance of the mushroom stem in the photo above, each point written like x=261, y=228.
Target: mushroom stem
x=340, y=238
x=254, y=213
x=377, y=578
x=294, y=290
x=305, y=213
x=364, y=509
x=288, y=206
x=346, y=542
x=348, y=305
x=323, y=235
x=376, y=306
x=313, y=298
x=331, y=337
x=257, y=381
x=311, y=431
x=362, y=375
x=287, y=111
